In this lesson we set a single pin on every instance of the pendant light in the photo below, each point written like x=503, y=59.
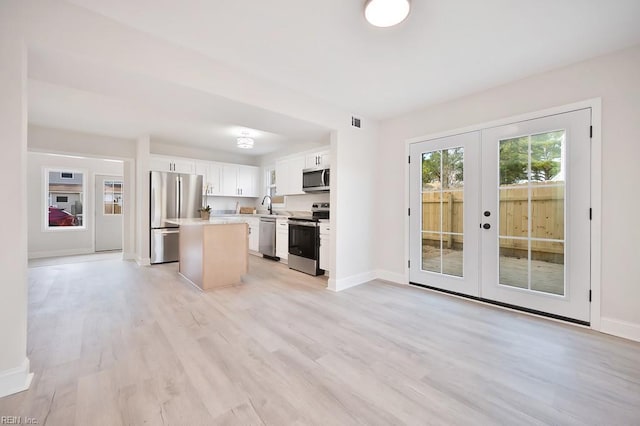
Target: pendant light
x=386, y=13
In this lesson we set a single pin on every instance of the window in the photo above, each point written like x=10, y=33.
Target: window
x=270, y=179
x=112, y=197
x=65, y=199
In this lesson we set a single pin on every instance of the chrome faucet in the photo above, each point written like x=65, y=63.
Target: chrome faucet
x=270, y=205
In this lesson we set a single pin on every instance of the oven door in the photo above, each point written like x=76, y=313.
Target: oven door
x=303, y=239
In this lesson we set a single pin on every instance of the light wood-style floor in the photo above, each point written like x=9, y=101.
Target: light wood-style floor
x=112, y=343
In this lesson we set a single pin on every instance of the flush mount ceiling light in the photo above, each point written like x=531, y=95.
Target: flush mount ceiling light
x=244, y=141
x=386, y=13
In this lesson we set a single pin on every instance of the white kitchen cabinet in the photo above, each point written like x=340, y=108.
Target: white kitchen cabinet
x=248, y=181
x=172, y=164
x=282, y=239
x=254, y=233
x=240, y=181
x=211, y=177
x=318, y=159
x=289, y=176
x=325, y=246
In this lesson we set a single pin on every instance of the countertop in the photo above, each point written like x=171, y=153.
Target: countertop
x=276, y=215
x=221, y=219
x=211, y=221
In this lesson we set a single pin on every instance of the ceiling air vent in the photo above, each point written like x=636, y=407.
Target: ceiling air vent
x=355, y=122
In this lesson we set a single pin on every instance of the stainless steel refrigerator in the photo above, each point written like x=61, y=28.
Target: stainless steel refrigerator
x=173, y=195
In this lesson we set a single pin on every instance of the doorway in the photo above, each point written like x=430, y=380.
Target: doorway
x=108, y=212
x=502, y=214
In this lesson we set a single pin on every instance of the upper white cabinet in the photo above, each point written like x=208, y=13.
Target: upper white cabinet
x=318, y=159
x=289, y=175
x=240, y=181
x=211, y=177
x=172, y=164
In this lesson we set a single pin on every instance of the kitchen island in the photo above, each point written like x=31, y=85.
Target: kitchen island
x=213, y=253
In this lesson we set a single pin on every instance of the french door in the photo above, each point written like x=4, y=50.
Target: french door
x=526, y=228
x=445, y=198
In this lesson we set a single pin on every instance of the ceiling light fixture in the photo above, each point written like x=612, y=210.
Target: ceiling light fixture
x=386, y=13
x=244, y=141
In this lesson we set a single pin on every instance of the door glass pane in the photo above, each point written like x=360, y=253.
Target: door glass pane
x=547, y=212
x=514, y=163
x=452, y=211
x=442, y=211
x=452, y=168
x=547, y=153
x=431, y=168
x=547, y=267
x=514, y=211
x=112, y=197
x=532, y=209
x=431, y=251
x=514, y=262
x=432, y=211
x=452, y=254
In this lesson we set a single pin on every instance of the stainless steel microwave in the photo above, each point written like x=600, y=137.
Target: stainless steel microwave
x=315, y=179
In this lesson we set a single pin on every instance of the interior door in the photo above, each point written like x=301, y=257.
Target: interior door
x=536, y=205
x=444, y=205
x=108, y=217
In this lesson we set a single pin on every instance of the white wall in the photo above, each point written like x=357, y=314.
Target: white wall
x=353, y=191
x=62, y=141
x=229, y=203
x=616, y=79
x=43, y=243
x=14, y=365
x=302, y=203
x=168, y=148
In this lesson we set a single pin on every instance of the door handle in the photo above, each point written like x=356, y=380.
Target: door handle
x=486, y=226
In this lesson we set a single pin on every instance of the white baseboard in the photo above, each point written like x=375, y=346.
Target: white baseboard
x=128, y=256
x=627, y=330
x=393, y=277
x=16, y=379
x=58, y=253
x=352, y=281
x=143, y=262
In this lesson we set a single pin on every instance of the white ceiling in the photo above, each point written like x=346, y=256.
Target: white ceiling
x=73, y=93
x=445, y=49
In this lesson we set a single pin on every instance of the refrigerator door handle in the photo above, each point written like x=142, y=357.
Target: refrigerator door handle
x=179, y=195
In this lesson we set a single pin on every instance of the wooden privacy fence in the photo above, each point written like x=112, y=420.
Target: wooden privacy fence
x=547, y=220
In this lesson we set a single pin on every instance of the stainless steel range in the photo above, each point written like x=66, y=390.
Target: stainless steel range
x=304, y=240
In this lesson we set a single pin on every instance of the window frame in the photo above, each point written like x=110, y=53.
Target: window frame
x=268, y=185
x=45, y=199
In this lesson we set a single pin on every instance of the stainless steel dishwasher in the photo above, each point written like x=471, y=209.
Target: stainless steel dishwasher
x=267, y=241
